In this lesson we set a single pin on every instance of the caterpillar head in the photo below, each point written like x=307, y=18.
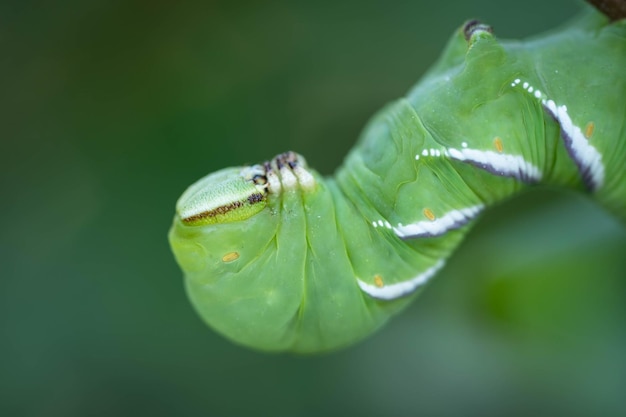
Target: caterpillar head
x=228, y=195
x=239, y=235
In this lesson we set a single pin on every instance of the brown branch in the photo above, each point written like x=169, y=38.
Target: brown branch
x=613, y=9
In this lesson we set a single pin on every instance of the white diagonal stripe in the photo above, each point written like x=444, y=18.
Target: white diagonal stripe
x=500, y=164
x=586, y=156
x=400, y=289
x=429, y=228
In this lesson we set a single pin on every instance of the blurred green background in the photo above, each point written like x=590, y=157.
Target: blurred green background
x=111, y=108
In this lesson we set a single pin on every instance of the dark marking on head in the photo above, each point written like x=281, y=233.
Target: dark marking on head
x=255, y=198
x=215, y=212
x=259, y=179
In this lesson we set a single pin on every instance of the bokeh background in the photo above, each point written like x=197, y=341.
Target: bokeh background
x=111, y=108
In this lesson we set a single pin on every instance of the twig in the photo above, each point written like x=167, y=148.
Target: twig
x=613, y=9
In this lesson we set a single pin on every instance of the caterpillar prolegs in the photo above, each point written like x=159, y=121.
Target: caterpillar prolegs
x=277, y=257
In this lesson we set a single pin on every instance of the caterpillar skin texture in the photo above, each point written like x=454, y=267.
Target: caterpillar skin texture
x=278, y=258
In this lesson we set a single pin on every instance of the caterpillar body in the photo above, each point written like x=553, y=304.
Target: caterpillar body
x=277, y=257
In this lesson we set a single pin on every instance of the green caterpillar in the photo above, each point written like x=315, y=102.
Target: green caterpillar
x=278, y=258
